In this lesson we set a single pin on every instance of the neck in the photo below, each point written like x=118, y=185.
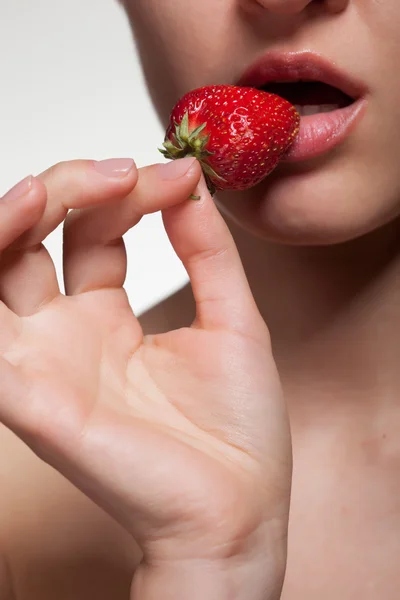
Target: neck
x=334, y=316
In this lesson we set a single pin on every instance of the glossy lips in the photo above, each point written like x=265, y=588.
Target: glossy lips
x=319, y=131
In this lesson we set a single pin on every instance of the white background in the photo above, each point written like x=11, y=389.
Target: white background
x=71, y=87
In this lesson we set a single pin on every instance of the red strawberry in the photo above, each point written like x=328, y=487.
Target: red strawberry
x=238, y=134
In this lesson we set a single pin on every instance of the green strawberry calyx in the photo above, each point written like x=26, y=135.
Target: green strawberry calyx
x=191, y=143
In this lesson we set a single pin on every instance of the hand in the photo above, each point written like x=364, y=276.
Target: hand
x=182, y=437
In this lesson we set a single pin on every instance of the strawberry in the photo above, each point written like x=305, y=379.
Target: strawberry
x=238, y=134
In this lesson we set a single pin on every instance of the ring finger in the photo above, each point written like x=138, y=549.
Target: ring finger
x=28, y=276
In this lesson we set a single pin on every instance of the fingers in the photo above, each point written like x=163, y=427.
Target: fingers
x=20, y=209
x=94, y=253
x=80, y=184
x=28, y=277
x=205, y=245
x=28, y=280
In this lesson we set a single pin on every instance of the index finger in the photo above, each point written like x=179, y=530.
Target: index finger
x=79, y=184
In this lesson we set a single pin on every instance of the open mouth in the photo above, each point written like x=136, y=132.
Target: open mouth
x=329, y=101
x=310, y=97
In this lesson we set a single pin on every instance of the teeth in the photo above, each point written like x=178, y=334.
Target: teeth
x=314, y=109
x=328, y=107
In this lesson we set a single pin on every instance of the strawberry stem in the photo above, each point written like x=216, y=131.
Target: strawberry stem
x=184, y=142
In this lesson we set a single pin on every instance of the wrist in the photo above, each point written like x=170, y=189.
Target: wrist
x=256, y=574
x=206, y=580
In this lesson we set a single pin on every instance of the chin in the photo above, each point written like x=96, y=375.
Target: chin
x=328, y=202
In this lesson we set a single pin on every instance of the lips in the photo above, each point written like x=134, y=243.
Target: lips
x=329, y=101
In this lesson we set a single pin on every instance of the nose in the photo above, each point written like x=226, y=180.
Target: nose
x=296, y=6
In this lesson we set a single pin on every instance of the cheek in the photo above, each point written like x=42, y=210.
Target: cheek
x=187, y=43
x=382, y=18
x=348, y=194
x=184, y=44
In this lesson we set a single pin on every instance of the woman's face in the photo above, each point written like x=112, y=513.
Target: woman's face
x=339, y=195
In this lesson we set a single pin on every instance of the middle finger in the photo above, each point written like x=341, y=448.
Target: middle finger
x=28, y=277
x=94, y=253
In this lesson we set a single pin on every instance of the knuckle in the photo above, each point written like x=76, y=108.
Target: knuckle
x=61, y=170
x=213, y=253
x=55, y=171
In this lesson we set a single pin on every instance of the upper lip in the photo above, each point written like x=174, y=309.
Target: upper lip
x=297, y=66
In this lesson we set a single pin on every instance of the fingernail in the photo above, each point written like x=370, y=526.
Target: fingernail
x=175, y=168
x=114, y=167
x=19, y=190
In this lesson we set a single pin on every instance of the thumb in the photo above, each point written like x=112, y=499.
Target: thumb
x=203, y=242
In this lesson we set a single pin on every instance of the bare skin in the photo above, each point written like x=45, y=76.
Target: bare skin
x=183, y=436
x=351, y=473
x=332, y=311
x=332, y=314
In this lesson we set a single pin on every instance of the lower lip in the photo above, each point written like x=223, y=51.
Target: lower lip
x=324, y=131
